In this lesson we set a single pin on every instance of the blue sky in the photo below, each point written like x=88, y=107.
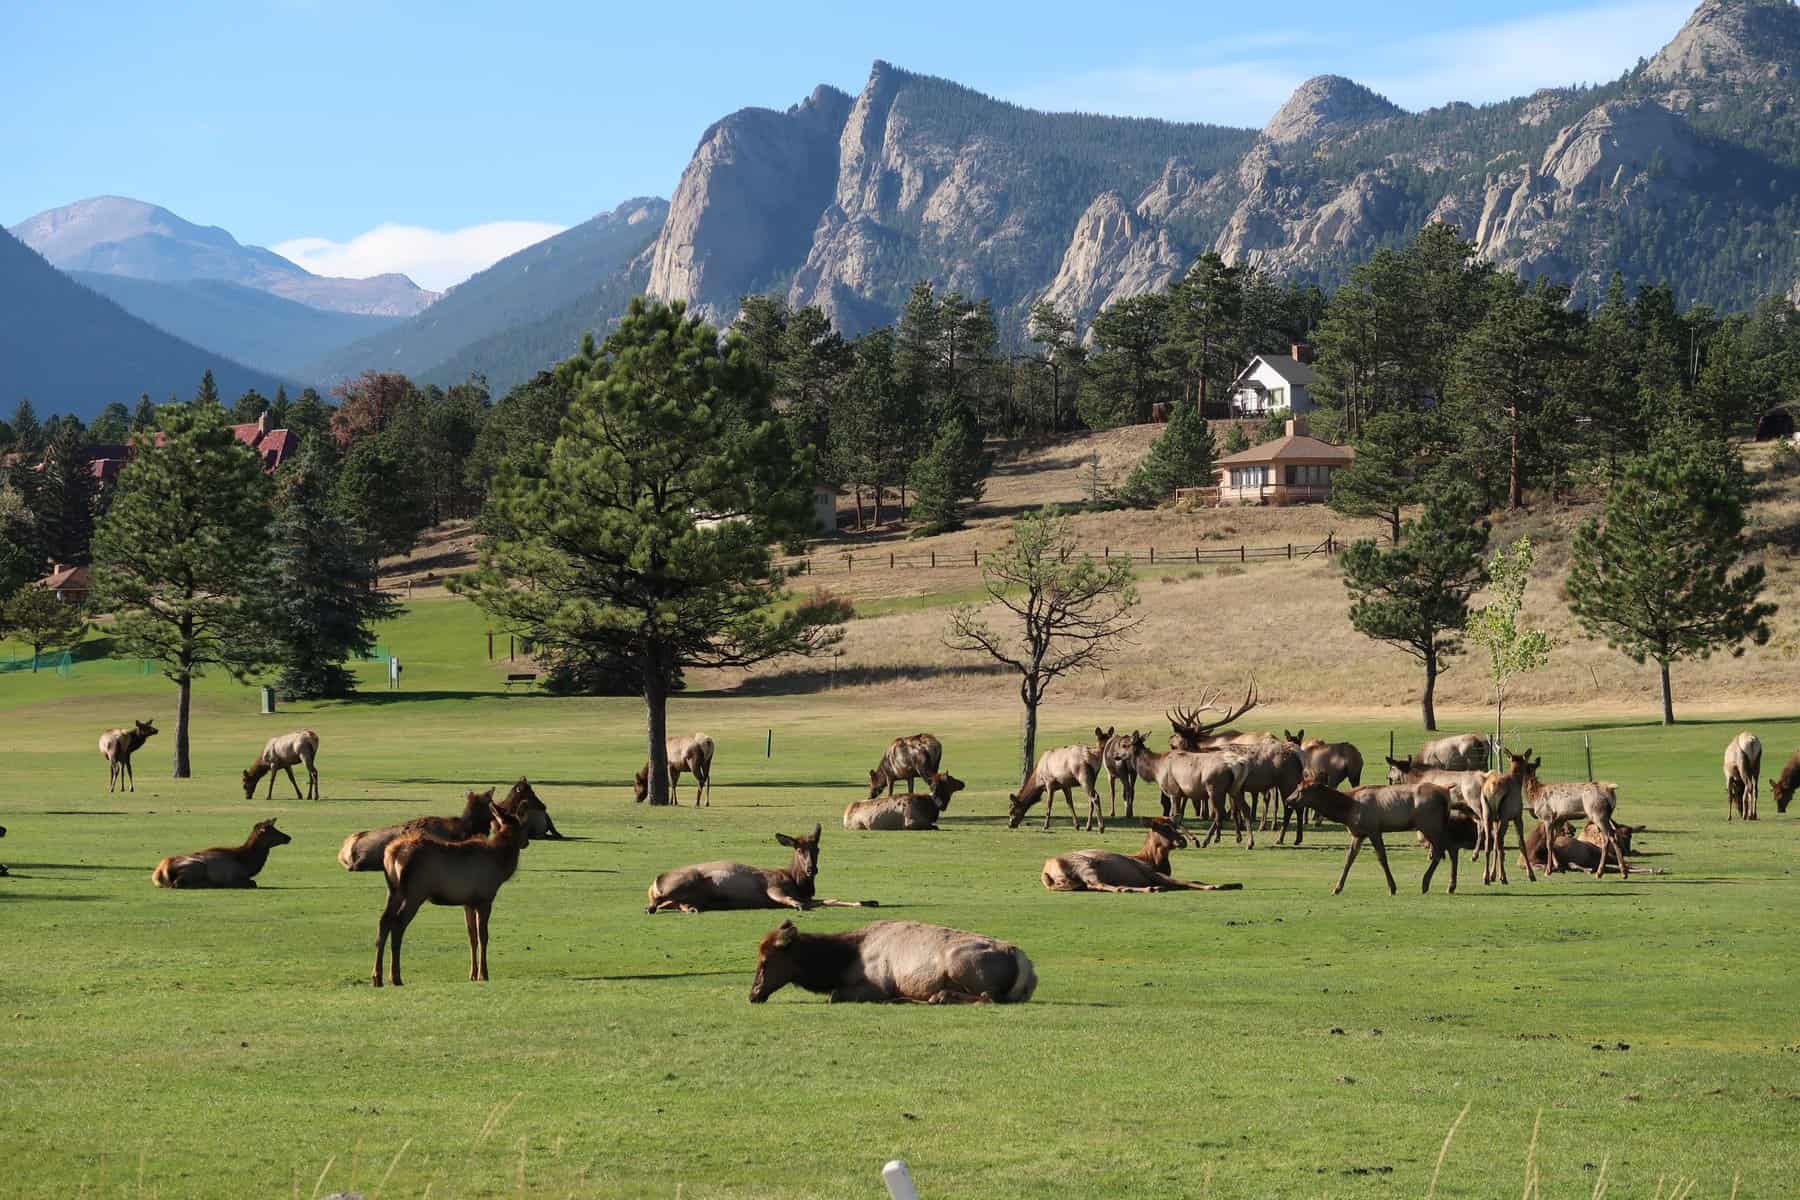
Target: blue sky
x=372, y=135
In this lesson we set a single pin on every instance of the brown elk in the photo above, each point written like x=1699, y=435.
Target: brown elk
x=222, y=866
x=1369, y=812
x=1458, y=752
x=1115, y=756
x=1145, y=871
x=693, y=754
x=421, y=869
x=1335, y=762
x=363, y=850
x=1464, y=788
x=1193, y=734
x=117, y=746
x=1558, y=804
x=1502, y=802
x=1272, y=770
x=1782, y=790
x=908, y=758
x=1584, y=853
x=713, y=886
x=905, y=812
x=523, y=803
x=1743, y=769
x=894, y=961
x=1214, y=779
x=1060, y=769
x=280, y=754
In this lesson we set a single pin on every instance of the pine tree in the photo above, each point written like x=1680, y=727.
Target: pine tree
x=1122, y=380
x=1656, y=576
x=179, y=557
x=319, y=616
x=65, y=496
x=143, y=417
x=946, y=479
x=28, y=434
x=1181, y=456
x=1389, y=471
x=36, y=617
x=19, y=559
x=112, y=426
x=208, y=395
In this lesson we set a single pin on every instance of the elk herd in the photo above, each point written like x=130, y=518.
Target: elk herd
x=1444, y=794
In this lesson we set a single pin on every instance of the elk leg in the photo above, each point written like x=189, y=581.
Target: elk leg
x=483, y=912
x=953, y=996
x=1068, y=792
x=131, y=774
x=1381, y=856
x=292, y=780
x=847, y=903
x=474, y=958
x=1095, y=819
x=1519, y=825
x=1355, y=845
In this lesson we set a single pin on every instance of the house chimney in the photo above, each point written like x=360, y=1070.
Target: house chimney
x=1301, y=351
x=1296, y=426
x=262, y=423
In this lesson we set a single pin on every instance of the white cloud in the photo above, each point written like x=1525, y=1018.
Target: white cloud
x=432, y=258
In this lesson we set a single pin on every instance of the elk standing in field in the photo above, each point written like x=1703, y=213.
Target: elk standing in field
x=1558, y=804
x=908, y=758
x=894, y=961
x=1502, y=801
x=421, y=869
x=1060, y=769
x=1145, y=871
x=1743, y=769
x=1115, y=756
x=1272, y=770
x=905, y=812
x=715, y=886
x=1782, y=790
x=1464, y=788
x=281, y=754
x=1333, y=762
x=117, y=746
x=222, y=866
x=1213, y=780
x=362, y=850
x=693, y=754
x=1458, y=752
x=1369, y=812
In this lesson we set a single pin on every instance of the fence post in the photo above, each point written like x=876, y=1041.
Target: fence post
x=849, y=563
x=1587, y=744
x=934, y=558
x=1196, y=556
x=890, y=560
x=1242, y=554
x=1105, y=552
x=1290, y=552
x=1153, y=556
x=975, y=558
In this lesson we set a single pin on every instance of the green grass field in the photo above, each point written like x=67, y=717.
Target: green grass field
x=1274, y=1042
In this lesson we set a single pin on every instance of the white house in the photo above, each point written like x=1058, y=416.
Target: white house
x=1274, y=382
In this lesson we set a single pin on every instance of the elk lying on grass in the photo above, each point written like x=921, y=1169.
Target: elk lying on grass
x=905, y=812
x=117, y=746
x=908, y=758
x=523, y=804
x=222, y=866
x=1115, y=756
x=1743, y=769
x=1145, y=871
x=1584, y=853
x=280, y=754
x=1212, y=781
x=1782, y=790
x=724, y=885
x=363, y=849
x=1369, y=812
x=1060, y=769
x=1559, y=804
x=894, y=961
x=422, y=869
x=1458, y=752
x=693, y=754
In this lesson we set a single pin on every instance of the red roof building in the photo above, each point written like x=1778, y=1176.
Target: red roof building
x=71, y=584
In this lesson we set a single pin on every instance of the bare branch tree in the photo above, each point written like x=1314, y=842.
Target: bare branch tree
x=1070, y=611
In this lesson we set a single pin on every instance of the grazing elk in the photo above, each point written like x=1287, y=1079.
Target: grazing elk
x=724, y=885
x=1782, y=790
x=894, y=961
x=421, y=869
x=1193, y=734
x=1743, y=769
x=1215, y=780
x=362, y=850
x=1060, y=769
x=281, y=754
x=1458, y=752
x=1145, y=871
x=905, y=812
x=1272, y=770
x=1115, y=756
x=523, y=804
x=693, y=754
x=117, y=746
x=908, y=758
x=222, y=866
x=1369, y=812
x=1558, y=804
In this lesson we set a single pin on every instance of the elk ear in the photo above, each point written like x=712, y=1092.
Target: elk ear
x=785, y=934
x=818, y=829
x=784, y=839
x=1528, y=752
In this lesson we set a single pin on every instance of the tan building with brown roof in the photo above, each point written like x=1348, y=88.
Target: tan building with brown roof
x=1293, y=469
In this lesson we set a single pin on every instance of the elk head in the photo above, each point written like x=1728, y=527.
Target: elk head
x=640, y=784
x=943, y=786
x=775, y=962
x=145, y=730
x=1295, y=739
x=1190, y=730
x=1017, y=808
x=264, y=833
x=806, y=852
x=1399, y=768
x=1783, y=789
x=1169, y=831
x=876, y=783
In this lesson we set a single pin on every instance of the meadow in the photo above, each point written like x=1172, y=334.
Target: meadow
x=1627, y=1038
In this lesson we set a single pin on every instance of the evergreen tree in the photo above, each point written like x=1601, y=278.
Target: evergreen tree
x=248, y=407
x=1416, y=595
x=1204, y=346
x=601, y=552
x=27, y=433
x=278, y=408
x=179, y=557
x=112, y=426
x=1181, y=456
x=37, y=618
x=520, y=427
x=946, y=479
x=19, y=559
x=208, y=395
x=1236, y=440
x=383, y=487
x=143, y=417
x=319, y=617
x=1122, y=379
x=1063, y=354
x=310, y=417
x=1389, y=471
x=1657, y=576
x=64, y=499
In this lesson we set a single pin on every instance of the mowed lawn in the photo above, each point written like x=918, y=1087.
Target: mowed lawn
x=1272, y=1042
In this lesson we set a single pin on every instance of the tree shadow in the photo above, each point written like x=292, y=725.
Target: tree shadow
x=7, y=893
x=85, y=812
x=801, y=681
x=415, y=697
x=653, y=976
x=74, y=867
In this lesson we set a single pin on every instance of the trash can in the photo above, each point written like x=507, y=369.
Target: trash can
x=268, y=700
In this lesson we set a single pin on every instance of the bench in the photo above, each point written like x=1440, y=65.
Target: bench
x=526, y=678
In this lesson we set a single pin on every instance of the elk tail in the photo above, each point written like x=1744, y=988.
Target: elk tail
x=347, y=852
x=1024, y=982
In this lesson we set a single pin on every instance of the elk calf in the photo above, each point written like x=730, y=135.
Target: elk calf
x=715, y=886
x=117, y=746
x=222, y=866
x=280, y=754
x=1145, y=871
x=905, y=812
x=1558, y=804
x=908, y=758
x=1115, y=756
x=468, y=872
x=894, y=961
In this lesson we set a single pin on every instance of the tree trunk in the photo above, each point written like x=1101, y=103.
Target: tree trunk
x=1028, y=734
x=656, y=711
x=1425, y=699
x=877, y=490
x=1514, y=494
x=857, y=490
x=184, y=685
x=35, y=651
x=1394, y=523
x=1668, y=701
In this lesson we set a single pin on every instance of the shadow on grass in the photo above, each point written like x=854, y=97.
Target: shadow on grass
x=7, y=893
x=77, y=867
x=574, y=871
x=85, y=812
x=365, y=698
x=805, y=681
x=653, y=976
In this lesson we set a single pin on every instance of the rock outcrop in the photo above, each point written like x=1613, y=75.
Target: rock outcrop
x=1325, y=103
x=1733, y=42
x=1115, y=253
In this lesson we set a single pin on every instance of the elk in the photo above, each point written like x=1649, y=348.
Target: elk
x=1743, y=766
x=1782, y=790
x=715, y=886
x=469, y=872
x=1193, y=734
x=3, y=871
x=1214, y=779
x=894, y=962
x=1558, y=804
x=1060, y=769
x=363, y=850
x=1115, y=756
x=1145, y=871
x=222, y=866
x=1272, y=770
x=1369, y=812
x=1334, y=761
x=1464, y=788
x=1502, y=801
x=693, y=754
x=117, y=746
x=1587, y=852
x=280, y=754
x=1459, y=752
x=908, y=758
x=523, y=804
x=905, y=812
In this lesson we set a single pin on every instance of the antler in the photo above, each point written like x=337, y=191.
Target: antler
x=1208, y=701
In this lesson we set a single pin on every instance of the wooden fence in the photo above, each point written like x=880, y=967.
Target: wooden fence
x=850, y=561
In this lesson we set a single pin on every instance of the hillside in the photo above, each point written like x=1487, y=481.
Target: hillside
x=71, y=350
x=1686, y=169
x=514, y=319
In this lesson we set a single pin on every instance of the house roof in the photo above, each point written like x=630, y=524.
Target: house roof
x=1295, y=447
x=71, y=579
x=1292, y=370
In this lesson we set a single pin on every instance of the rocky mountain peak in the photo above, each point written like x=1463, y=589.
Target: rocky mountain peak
x=1733, y=41
x=1324, y=102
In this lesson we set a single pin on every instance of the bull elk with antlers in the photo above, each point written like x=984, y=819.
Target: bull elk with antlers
x=1193, y=734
